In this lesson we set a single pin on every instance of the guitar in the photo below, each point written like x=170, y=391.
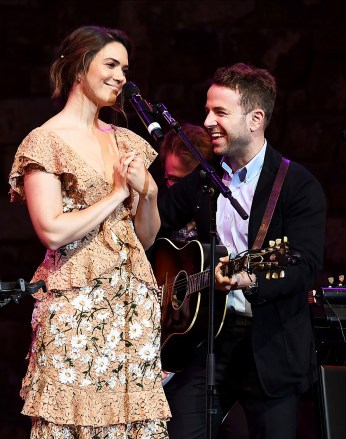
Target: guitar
x=181, y=273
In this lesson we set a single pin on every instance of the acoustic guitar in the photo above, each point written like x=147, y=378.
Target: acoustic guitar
x=183, y=275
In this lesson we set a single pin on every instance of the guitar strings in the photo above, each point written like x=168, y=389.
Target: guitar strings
x=205, y=275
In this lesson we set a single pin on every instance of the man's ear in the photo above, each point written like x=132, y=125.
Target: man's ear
x=257, y=117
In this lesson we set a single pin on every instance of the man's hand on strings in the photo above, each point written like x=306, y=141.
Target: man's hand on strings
x=237, y=281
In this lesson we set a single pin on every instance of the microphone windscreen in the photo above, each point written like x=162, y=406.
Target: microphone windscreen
x=130, y=89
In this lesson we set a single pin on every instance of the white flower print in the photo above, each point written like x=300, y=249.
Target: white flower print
x=68, y=204
x=85, y=359
x=42, y=360
x=156, y=342
x=150, y=375
x=98, y=295
x=135, y=370
x=119, y=310
x=140, y=299
x=114, y=237
x=86, y=290
x=109, y=352
x=67, y=376
x=87, y=326
x=85, y=382
x=147, y=305
x=79, y=341
x=54, y=307
x=124, y=276
x=122, y=357
x=102, y=316
x=101, y=365
x=75, y=355
x=123, y=255
x=58, y=361
x=122, y=378
x=119, y=323
x=115, y=279
x=68, y=319
x=112, y=381
x=146, y=323
x=115, y=433
x=135, y=330
x=113, y=338
x=152, y=428
x=60, y=339
x=53, y=329
x=62, y=433
x=147, y=352
x=72, y=245
x=82, y=303
x=131, y=224
x=142, y=290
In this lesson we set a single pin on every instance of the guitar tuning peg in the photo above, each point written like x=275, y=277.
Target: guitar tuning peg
x=275, y=275
x=268, y=275
x=271, y=243
x=282, y=274
x=285, y=239
x=278, y=241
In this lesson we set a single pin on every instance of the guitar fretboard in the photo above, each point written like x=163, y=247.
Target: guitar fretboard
x=199, y=281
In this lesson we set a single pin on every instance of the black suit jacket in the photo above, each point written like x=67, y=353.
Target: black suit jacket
x=282, y=338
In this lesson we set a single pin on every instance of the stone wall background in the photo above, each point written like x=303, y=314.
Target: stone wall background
x=178, y=46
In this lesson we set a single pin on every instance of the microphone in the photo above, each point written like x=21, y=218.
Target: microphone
x=144, y=110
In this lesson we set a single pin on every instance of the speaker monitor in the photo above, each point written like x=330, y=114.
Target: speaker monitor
x=333, y=400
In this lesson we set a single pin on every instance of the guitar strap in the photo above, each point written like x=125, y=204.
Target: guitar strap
x=274, y=195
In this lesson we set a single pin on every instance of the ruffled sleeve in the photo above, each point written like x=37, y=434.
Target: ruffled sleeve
x=40, y=150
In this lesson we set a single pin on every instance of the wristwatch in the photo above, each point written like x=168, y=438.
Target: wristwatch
x=251, y=289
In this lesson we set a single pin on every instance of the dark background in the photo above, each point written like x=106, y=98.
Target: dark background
x=178, y=46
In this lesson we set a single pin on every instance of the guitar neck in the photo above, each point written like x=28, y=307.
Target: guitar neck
x=199, y=281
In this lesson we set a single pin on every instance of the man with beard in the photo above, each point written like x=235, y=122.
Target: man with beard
x=265, y=356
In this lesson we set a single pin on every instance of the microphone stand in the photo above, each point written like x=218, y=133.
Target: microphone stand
x=14, y=291
x=216, y=186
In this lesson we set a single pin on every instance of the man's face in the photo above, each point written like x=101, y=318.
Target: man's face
x=226, y=122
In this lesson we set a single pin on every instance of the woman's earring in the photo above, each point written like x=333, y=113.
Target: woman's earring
x=78, y=78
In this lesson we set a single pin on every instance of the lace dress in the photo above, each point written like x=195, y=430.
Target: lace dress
x=94, y=363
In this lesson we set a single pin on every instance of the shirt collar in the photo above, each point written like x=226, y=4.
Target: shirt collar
x=251, y=170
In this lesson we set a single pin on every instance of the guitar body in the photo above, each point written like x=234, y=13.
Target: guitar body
x=185, y=307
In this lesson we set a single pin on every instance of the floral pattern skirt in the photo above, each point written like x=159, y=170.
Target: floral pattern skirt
x=95, y=361
x=42, y=429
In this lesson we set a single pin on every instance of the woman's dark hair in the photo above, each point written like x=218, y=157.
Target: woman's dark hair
x=76, y=53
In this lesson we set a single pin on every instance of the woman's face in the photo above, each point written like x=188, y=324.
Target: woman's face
x=107, y=74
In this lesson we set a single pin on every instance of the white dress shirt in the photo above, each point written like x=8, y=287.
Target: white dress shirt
x=232, y=230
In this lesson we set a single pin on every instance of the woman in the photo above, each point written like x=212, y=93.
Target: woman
x=94, y=365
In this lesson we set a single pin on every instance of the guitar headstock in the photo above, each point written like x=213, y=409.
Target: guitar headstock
x=273, y=258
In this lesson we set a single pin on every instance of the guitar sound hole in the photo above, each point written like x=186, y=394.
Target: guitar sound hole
x=179, y=289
